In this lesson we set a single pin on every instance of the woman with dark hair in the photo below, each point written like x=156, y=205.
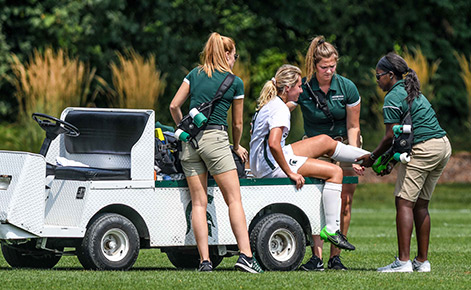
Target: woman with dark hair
x=214, y=154
x=341, y=122
x=430, y=153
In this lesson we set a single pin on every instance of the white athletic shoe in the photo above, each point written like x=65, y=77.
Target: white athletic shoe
x=421, y=266
x=397, y=266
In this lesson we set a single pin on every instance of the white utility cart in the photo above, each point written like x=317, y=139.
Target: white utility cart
x=107, y=212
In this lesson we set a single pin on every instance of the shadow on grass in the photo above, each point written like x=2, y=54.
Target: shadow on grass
x=172, y=269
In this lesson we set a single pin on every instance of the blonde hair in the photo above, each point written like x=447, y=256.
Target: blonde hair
x=286, y=76
x=213, y=55
x=318, y=49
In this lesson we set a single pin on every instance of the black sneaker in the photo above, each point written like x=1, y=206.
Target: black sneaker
x=338, y=239
x=205, y=266
x=314, y=264
x=336, y=264
x=247, y=264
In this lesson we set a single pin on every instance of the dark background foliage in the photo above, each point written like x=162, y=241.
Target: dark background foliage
x=267, y=34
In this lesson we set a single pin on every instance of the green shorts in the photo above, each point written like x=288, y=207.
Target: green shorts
x=213, y=155
x=417, y=179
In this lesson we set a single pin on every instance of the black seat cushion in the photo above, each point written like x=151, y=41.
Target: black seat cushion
x=50, y=168
x=105, y=132
x=91, y=173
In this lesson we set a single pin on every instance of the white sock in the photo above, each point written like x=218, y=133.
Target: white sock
x=332, y=203
x=347, y=153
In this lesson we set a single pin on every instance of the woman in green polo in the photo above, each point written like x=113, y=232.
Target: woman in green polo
x=416, y=179
x=330, y=105
x=213, y=153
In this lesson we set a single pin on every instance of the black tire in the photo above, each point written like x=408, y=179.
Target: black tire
x=278, y=242
x=110, y=243
x=27, y=256
x=191, y=259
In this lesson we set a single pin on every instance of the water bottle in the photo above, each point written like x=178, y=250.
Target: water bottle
x=404, y=158
x=182, y=135
x=399, y=129
x=198, y=118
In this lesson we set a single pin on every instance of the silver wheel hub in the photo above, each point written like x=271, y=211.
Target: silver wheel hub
x=115, y=244
x=282, y=245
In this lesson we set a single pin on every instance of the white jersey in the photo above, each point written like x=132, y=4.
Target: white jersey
x=272, y=115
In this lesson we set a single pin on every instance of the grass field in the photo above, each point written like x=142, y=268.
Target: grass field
x=372, y=231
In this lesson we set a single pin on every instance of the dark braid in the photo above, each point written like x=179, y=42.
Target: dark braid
x=412, y=83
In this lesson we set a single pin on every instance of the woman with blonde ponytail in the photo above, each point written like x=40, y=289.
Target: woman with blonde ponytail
x=271, y=158
x=214, y=153
x=330, y=104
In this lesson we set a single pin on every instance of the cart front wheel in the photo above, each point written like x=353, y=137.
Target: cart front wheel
x=110, y=243
x=28, y=256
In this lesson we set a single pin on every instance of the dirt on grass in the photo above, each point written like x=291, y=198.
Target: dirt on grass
x=457, y=170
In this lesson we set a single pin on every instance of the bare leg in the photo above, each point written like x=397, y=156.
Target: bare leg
x=318, y=244
x=321, y=169
x=422, y=228
x=199, y=200
x=404, y=225
x=228, y=182
x=315, y=146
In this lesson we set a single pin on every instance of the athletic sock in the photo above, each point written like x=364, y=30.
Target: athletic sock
x=332, y=203
x=347, y=153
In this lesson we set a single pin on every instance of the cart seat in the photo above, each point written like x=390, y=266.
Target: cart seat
x=90, y=173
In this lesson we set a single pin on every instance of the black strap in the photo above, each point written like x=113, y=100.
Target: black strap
x=207, y=106
x=225, y=85
x=265, y=152
x=321, y=104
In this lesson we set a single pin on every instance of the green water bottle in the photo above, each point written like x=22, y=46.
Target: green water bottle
x=182, y=135
x=198, y=118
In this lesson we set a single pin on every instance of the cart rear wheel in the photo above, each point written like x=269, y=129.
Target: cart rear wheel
x=110, y=243
x=27, y=256
x=278, y=242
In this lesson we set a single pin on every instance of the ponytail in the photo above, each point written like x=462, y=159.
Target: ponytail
x=401, y=70
x=318, y=49
x=286, y=76
x=412, y=85
x=213, y=56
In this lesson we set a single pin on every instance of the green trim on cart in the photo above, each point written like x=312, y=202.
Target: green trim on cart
x=255, y=182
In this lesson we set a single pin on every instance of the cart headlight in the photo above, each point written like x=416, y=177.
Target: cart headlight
x=4, y=181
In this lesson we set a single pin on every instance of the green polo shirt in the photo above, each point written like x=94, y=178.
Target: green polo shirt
x=203, y=89
x=342, y=93
x=424, y=120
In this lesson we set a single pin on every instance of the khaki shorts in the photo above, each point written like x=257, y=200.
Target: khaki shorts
x=344, y=165
x=213, y=155
x=417, y=179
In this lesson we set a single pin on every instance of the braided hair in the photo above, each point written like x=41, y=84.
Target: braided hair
x=398, y=66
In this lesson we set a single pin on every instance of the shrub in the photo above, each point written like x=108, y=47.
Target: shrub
x=48, y=83
x=137, y=82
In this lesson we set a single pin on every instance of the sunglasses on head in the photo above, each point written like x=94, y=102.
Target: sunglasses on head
x=236, y=56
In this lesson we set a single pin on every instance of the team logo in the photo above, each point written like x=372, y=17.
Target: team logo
x=337, y=98
x=293, y=162
x=209, y=218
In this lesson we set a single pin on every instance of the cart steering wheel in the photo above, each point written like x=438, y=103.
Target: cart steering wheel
x=54, y=126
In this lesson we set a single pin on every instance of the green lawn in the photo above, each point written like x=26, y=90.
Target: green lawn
x=372, y=232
